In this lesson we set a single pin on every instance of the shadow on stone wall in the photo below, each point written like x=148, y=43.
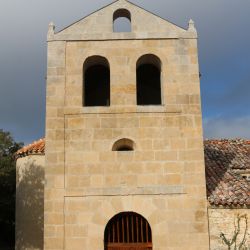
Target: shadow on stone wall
x=30, y=208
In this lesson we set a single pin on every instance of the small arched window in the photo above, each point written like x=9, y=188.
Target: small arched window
x=122, y=21
x=96, y=81
x=123, y=145
x=148, y=80
x=128, y=230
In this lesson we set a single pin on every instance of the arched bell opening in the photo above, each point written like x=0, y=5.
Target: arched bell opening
x=122, y=21
x=96, y=82
x=148, y=80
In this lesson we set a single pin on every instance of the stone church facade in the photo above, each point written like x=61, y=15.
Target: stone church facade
x=124, y=161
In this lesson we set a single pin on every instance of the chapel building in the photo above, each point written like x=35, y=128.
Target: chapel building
x=124, y=150
x=124, y=159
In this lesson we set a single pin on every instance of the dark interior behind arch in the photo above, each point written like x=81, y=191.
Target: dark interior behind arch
x=96, y=82
x=124, y=144
x=128, y=230
x=148, y=80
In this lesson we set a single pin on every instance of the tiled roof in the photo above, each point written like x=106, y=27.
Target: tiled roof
x=224, y=159
x=234, y=153
x=37, y=147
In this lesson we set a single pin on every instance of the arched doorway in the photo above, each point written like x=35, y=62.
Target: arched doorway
x=128, y=231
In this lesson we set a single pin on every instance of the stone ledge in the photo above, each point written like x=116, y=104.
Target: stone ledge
x=172, y=109
x=122, y=191
x=190, y=34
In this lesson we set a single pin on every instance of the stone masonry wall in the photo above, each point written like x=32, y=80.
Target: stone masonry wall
x=164, y=171
x=29, y=211
x=163, y=179
x=30, y=202
x=222, y=221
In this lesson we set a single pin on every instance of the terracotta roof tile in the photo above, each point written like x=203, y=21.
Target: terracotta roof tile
x=225, y=186
x=37, y=147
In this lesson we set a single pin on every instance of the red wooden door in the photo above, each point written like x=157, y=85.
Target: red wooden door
x=128, y=231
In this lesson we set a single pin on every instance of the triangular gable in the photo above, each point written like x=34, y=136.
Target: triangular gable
x=99, y=26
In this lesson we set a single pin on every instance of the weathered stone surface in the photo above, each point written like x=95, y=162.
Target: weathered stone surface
x=30, y=180
x=222, y=221
x=30, y=201
x=86, y=182
x=93, y=182
x=99, y=26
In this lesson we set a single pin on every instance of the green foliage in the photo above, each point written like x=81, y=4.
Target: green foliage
x=7, y=186
x=234, y=243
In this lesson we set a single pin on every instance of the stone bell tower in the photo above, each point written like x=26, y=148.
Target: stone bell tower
x=124, y=149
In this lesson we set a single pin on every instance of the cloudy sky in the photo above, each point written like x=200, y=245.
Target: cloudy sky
x=224, y=54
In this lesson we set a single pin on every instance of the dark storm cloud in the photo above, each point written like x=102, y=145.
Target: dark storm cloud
x=223, y=49
x=23, y=29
